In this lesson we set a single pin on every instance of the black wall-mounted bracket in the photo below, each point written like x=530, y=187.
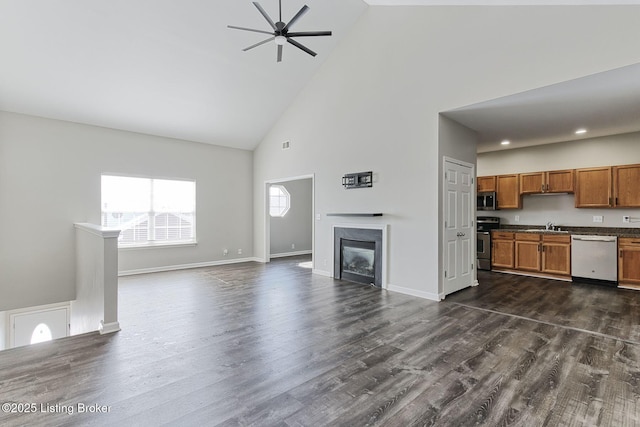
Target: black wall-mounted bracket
x=358, y=180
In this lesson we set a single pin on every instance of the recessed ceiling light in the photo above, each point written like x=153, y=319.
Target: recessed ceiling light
x=581, y=131
x=505, y=142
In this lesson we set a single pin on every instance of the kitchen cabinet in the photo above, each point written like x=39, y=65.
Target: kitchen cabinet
x=502, y=249
x=547, y=254
x=593, y=188
x=547, y=182
x=508, y=191
x=626, y=184
x=527, y=256
x=629, y=262
x=556, y=254
x=486, y=183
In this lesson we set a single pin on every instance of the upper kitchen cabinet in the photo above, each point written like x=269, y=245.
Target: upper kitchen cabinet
x=626, y=184
x=508, y=191
x=593, y=187
x=486, y=183
x=547, y=182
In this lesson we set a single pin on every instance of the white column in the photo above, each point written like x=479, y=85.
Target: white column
x=96, y=303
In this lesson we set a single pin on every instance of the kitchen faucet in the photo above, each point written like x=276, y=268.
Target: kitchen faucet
x=549, y=226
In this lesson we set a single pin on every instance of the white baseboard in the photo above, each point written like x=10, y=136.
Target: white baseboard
x=108, y=328
x=322, y=272
x=415, y=293
x=475, y=283
x=286, y=254
x=188, y=266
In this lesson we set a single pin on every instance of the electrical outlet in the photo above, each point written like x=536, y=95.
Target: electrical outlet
x=239, y=251
x=598, y=218
x=225, y=252
x=293, y=246
x=517, y=218
x=626, y=218
x=318, y=217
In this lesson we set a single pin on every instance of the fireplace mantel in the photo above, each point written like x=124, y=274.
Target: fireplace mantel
x=355, y=214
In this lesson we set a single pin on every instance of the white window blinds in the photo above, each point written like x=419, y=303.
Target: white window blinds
x=149, y=211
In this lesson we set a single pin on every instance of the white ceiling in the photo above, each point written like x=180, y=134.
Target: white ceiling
x=165, y=67
x=173, y=68
x=607, y=103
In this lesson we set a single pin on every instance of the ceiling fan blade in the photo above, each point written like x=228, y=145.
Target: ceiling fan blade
x=301, y=47
x=270, y=39
x=279, y=53
x=249, y=29
x=309, y=34
x=297, y=16
x=262, y=11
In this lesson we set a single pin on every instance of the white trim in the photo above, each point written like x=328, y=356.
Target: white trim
x=108, y=328
x=382, y=227
x=286, y=254
x=152, y=245
x=187, y=266
x=322, y=273
x=98, y=230
x=267, y=216
x=443, y=229
x=415, y=293
x=12, y=314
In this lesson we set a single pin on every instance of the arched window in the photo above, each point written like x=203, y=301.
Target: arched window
x=41, y=333
x=279, y=200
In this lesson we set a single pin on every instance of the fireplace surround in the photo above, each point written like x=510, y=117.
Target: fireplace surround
x=359, y=255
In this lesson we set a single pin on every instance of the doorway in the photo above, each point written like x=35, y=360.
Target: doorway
x=39, y=326
x=289, y=213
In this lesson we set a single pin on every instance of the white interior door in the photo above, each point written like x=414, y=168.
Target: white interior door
x=39, y=326
x=459, y=233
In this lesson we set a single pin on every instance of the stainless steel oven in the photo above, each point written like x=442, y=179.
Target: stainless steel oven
x=483, y=240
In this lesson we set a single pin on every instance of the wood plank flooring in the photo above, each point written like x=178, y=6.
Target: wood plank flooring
x=274, y=345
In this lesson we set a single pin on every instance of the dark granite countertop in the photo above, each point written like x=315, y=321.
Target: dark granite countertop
x=594, y=231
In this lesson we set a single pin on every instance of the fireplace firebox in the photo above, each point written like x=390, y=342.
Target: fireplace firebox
x=358, y=255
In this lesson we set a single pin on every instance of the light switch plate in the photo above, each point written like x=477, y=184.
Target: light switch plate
x=598, y=218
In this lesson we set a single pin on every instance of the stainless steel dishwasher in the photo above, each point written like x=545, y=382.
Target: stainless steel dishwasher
x=594, y=259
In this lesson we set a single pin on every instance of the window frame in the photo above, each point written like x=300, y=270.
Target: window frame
x=285, y=195
x=151, y=216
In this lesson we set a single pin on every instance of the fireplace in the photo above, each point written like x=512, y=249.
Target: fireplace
x=358, y=255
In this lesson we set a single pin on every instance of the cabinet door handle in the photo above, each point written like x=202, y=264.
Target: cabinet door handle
x=542, y=187
x=547, y=187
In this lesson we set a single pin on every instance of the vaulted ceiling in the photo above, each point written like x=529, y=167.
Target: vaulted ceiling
x=173, y=68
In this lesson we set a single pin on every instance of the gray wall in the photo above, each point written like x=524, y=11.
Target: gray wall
x=560, y=209
x=375, y=103
x=50, y=179
x=295, y=226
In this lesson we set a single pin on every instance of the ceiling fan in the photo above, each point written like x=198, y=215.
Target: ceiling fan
x=280, y=33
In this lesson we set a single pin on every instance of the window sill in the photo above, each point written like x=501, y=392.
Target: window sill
x=157, y=245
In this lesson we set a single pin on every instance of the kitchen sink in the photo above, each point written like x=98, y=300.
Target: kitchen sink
x=539, y=230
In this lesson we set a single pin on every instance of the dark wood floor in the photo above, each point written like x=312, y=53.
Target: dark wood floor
x=274, y=345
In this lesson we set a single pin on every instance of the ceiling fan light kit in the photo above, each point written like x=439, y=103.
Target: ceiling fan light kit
x=280, y=33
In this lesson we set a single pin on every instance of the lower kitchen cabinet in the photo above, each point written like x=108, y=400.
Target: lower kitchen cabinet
x=544, y=254
x=502, y=249
x=528, y=251
x=629, y=262
x=556, y=254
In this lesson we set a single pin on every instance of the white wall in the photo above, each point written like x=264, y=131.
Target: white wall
x=560, y=209
x=3, y=331
x=296, y=226
x=50, y=179
x=374, y=105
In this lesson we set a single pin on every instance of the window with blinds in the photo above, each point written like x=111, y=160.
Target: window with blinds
x=149, y=211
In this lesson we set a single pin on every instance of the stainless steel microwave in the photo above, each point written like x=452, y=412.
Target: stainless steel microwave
x=487, y=201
